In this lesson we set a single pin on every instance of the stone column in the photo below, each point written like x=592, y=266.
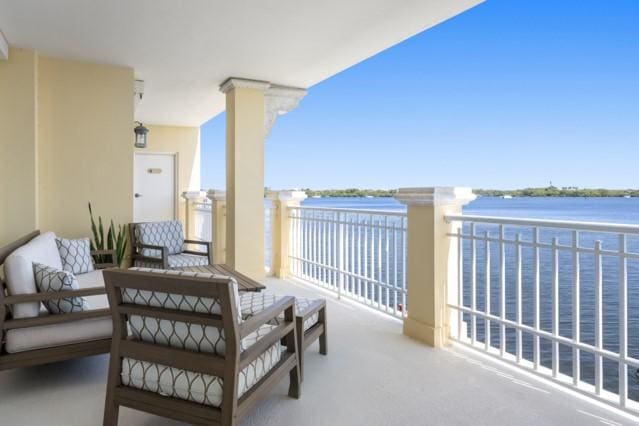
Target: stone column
x=281, y=227
x=245, y=175
x=251, y=108
x=431, y=262
x=218, y=225
x=191, y=197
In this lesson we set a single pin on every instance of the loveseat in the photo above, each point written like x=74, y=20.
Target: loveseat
x=29, y=333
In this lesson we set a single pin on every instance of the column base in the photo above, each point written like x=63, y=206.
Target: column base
x=436, y=337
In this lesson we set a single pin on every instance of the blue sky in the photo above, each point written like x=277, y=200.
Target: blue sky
x=512, y=93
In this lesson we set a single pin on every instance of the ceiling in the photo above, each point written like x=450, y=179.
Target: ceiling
x=183, y=50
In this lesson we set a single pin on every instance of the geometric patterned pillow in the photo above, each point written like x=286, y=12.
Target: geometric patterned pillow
x=75, y=255
x=50, y=279
x=167, y=234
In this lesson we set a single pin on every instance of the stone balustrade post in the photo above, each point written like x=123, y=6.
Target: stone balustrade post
x=190, y=198
x=218, y=225
x=281, y=227
x=431, y=260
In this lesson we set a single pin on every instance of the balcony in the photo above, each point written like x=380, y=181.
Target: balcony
x=548, y=298
x=372, y=375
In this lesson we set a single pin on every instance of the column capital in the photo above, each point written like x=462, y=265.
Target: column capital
x=216, y=195
x=435, y=196
x=194, y=195
x=244, y=83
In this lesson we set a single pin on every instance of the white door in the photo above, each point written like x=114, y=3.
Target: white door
x=154, y=187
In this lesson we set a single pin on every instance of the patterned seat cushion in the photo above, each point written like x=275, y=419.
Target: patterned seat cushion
x=253, y=302
x=179, y=334
x=167, y=234
x=75, y=255
x=50, y=279
x=180, y=383
x=197, y=387
x=176, y=261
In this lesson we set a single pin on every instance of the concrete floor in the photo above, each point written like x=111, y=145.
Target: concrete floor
x=373, y=375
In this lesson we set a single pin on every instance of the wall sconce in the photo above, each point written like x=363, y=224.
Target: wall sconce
x=140, y=135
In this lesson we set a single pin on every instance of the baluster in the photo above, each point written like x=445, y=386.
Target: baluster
x=387, y=264
x=473, y=284
x=502, y=291
x=576, y=361
x=359, y=258
x=395, y=275
x=598, y=320
x=623, y=321
x=487, y=289
x=461, y=332
x=555, y=307
x=518, y=334
x=536, y=354
x=379, y=263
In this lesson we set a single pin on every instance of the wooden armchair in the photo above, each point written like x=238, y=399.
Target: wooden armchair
x=73, y=335
x=181, y=350
x=161, y=245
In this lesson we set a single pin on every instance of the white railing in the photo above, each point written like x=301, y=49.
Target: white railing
x=359, y=254
x=202, y=221
x=553, y=297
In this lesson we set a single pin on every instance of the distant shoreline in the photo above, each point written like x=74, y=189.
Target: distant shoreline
x=550, y=191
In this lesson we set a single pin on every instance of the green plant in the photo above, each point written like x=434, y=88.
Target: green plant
x=115, y=239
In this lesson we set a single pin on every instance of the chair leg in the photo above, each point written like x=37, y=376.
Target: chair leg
x=323, y=339
x=112, y=408
x=299, y=336
x=295, y=375
x=111, y=412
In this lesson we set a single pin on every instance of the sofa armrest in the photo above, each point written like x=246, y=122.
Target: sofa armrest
x=264, y=316
x=206, y=244
x=164, y=260
x=53, y=295
x=284, y=330
x=99, y=257
x=11, y=324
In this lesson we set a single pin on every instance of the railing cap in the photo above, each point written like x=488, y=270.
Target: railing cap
x=435, y=196
x=216, y=195
x=194, y=195
x=287, y=195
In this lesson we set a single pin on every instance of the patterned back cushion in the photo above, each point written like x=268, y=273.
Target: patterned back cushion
x=167, y=234
x=75, y=255
x=50, y=279
x=176, y=333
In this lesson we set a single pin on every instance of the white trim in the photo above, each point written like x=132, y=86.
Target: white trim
x=216, y=195
x=541, y=223
x=435, y=196
x=233, y=83
x=4, y=47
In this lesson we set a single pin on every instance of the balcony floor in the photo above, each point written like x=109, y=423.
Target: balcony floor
x=373, y=375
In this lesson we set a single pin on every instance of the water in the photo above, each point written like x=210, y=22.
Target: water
x=612, y=210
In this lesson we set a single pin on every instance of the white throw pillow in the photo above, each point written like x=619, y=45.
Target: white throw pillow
x=18, y=269
x=50, y=279
x=75, y=255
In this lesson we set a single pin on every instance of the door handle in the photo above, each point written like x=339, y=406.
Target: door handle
x=136, y=195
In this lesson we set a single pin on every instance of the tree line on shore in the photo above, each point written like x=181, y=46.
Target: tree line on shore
x=550, y=191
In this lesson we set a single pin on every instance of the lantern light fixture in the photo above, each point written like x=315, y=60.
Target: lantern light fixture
x=140, y=135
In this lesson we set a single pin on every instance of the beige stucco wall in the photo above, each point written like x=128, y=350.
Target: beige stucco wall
x=85, y=135
x=185, y=142
x=66, y=138
x=18, y=141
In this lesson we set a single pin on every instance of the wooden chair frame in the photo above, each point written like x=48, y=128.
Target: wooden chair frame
x=163, y=261
x=227, y=367
x=317, y=331
x=55, y=353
